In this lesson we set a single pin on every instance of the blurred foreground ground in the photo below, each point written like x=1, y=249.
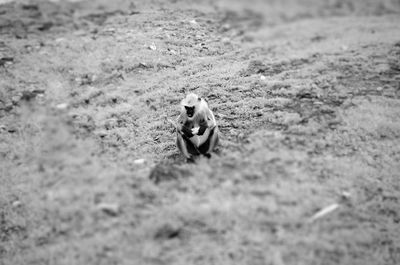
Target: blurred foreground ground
x=306, y=94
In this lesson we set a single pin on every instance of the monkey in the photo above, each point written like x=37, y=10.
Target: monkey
x=197, y=130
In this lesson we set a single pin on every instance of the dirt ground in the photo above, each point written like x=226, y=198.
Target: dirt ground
x=306, y=94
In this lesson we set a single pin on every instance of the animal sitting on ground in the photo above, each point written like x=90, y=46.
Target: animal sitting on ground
x=197, y=131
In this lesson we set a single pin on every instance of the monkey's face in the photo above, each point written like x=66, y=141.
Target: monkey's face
x=190, y=111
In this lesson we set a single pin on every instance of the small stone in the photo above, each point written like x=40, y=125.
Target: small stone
x=79, y=81
x=291, y=118
x=143, y=65
x=111, y=123
x=153, y=47
x=16, y=204
x=110, y=30
x=346, y=194
x=139, y=161
x=171, y=51
x=102, y=133
x=262, y=77
x=6, y=61
x=379, y=88
x=94, y=78
x=15, y=99
x=111, y=209
x=226, y=27
x=226, y=40
x=168, y=231
x=62, y=106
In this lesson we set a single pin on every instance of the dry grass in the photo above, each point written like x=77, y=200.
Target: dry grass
x=307, y=104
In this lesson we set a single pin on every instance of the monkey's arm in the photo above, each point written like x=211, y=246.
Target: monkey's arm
x=186, y=131
x=210, y=119
x=181, y=128
x=207, y=122
x=203, y=127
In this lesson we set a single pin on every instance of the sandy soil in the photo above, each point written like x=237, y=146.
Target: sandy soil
x=306, y=94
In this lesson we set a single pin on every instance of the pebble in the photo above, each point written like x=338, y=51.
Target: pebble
x=111, y=209
x=62, y=106
x=346, y=194
x=153, y=47
x=15, y=99
x=101, y=133
x=139, y=161
x=226, y=40
x=16, y=204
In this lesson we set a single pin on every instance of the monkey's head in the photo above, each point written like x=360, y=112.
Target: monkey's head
x=190, y=111
x=190, y=104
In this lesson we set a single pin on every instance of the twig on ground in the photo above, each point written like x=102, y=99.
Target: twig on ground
x=323, y=212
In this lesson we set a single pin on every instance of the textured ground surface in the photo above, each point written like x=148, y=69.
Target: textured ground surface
x=306, y=94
